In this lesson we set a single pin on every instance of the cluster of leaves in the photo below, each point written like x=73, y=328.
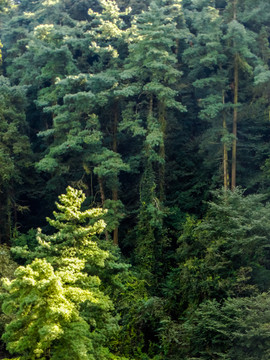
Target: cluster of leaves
x=55, y=302
x=7, y=269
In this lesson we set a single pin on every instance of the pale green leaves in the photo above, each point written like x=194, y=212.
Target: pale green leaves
x=46, y=295
x=44, y=306
x=44, y=32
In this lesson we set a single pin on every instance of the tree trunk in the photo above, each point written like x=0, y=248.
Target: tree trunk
x=226, y=177
x=235, y=110
x=102, y=196
x=9, y=218
x=115, y=231
x=115, y=188
x=162, y=122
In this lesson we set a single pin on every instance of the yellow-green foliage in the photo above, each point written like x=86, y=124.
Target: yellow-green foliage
x=57, y=308
x=7, y=268
x=45, y=304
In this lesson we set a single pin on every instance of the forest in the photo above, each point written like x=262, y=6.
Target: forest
x=135, y=179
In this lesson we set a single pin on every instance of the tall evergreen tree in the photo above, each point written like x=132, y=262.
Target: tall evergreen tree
x=207, y=63
x=89, y=136
x=15, y=155
x=152, y=78
x=239, y=41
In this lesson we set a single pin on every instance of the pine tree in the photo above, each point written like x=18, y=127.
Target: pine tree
x=15, y=155
x=239, y=42
x=235, y=329
x=224, y=254
x=157, y=79
x=151, y=78
x=84, y=107
x=45, y=305
x=58, y=306
x=207, y=64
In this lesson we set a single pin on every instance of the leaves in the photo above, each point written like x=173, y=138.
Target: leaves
x=47, y=295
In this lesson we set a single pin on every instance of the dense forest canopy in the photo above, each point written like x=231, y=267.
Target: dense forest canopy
x=144, y=128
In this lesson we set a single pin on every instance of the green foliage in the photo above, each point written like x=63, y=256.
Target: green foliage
x=22, y=243
x=235, y=330
x=4, y=5
x=7, y=269
x=15, y=153
x=76, y=232
x=225, y=254
x=58, y=307
x=151, y=77
x=7, y=265
x=45, y=305
x=141, y=326
x=15, y=147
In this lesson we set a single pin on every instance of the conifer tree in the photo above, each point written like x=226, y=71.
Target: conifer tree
x=224, y=254
x=15, y=154
x=239, y=51
x=207, y=64
x=152, y=78
x=47, y=321
x=59, y=308
x=152, y=63
x=235, y=329
x=256, y=114
x=84, y=107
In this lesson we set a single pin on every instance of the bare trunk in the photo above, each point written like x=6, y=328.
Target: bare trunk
x=151, y=106
x=235, y=110
x=115, y=231
x=162, y=122
x=115, y=188
x=235, y=115
x=9, y=218
x=101, y=189
x=226, y=177
x=235, y=9
x=102, y=196
x=91, y=185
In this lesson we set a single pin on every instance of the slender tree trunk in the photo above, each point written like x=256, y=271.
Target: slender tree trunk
x=115, y=188
x=176, y=47
x=101, y=189
x=2, y=216
x=149, y=121
x=91, y=185
x=162, y=122
x=235, y=115
x=115, y=231
x=235, y=9
x=148, y=162
x=102, y=196
x=9, y=218
x=226, y=177
x=151, y=106
x=15, y=217
x=235, y=110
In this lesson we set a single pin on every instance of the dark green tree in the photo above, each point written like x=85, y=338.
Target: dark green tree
x=233, y=330
x=225, y=254
x=15, y=155
x=152, y=79
x=207, y=63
